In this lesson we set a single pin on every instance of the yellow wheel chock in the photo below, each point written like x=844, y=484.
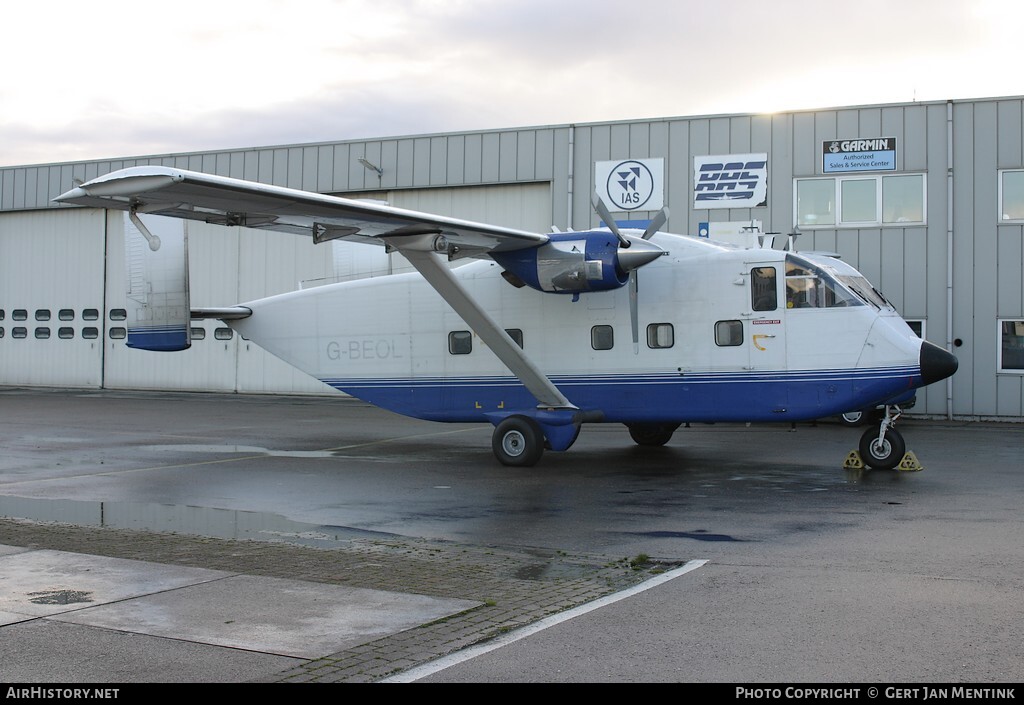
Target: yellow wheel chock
x=909, y=462
x=853, y=461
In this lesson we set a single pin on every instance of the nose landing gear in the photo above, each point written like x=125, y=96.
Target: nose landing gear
x=883, y=448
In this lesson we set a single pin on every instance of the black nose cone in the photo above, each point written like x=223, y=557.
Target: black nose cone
x=936, y=363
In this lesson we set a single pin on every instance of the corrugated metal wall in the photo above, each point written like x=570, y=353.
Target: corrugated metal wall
x=963, y=262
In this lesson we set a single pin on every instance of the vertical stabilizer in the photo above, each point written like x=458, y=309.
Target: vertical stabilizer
x=156, y=251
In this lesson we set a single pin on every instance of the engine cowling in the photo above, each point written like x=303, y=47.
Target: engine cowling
x=571, y=263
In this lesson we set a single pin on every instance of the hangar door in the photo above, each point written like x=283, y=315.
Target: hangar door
x=52, y=298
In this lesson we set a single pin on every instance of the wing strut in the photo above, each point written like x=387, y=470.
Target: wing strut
x=423, y=255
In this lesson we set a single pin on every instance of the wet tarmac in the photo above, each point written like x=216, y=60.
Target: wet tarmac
x=217, y=538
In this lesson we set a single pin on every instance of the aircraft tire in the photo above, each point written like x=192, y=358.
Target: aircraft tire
x=518, y=442
x=651, y=434
x=885, y=456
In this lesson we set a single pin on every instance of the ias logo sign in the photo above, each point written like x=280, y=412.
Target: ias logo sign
x=630, y=185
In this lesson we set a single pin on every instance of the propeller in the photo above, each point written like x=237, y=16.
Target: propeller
x=606, y=216
x=654, y=226
x=657, y=222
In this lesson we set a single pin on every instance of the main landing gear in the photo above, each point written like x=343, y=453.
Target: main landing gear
x=883, y=447
x=518, y=441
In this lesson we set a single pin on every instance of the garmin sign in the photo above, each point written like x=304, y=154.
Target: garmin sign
x=631, y=184
x=876, y=154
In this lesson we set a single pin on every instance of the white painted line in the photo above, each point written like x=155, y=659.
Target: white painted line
x=414, y=674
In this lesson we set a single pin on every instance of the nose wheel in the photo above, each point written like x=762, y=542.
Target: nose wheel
x=883, y=448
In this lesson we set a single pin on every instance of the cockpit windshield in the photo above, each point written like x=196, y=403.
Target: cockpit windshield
x=862, y=288
x=810, y=286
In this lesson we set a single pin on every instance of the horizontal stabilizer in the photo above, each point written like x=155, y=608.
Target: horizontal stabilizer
x=227, y=313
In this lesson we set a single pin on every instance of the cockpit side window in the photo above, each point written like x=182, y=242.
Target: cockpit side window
x=808, y=286
x=763, y=292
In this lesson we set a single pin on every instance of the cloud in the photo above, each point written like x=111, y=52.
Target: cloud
x=211, y=76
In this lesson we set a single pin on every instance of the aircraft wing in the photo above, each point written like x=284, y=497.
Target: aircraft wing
x=160, y=190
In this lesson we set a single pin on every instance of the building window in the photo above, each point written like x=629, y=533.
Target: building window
x=460, y=342
x=815, y=202
x=857, y=201
x=1011, y=346
x=602, y=338
x=1011, y=196
x=660, y=335
x=860, y=201
x=728, y=333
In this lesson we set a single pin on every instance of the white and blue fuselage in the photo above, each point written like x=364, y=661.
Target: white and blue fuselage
x=788, y=337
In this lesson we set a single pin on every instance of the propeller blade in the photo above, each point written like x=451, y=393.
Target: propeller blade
x=656, y=223
x=606, y=216
x=633, y=314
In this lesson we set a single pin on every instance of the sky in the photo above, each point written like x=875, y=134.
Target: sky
x=118, y=78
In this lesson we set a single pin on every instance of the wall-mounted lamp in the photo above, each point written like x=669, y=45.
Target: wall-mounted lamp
x=371, y=166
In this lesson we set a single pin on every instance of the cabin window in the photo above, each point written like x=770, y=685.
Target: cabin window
x=118, y=333
x=19, y=314
x=198, y=333
x=2, y=314
x=90, y=314
x=19, y=332
x=602, y=337
x=42, y=333
x=42, y=314
x=66, y=314
x=1011, y=346
x=223, y=333
x=118, y=314
x=65, y=332
x=516, y=335
x=763, y=292
x=460, y=342
x=1, y=332
x=90, y=333
x=660, y=335
x=728, y=333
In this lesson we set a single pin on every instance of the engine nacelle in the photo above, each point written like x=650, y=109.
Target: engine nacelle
x=571, y=263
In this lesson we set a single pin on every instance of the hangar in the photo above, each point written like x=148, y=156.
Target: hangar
x=925, y=198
